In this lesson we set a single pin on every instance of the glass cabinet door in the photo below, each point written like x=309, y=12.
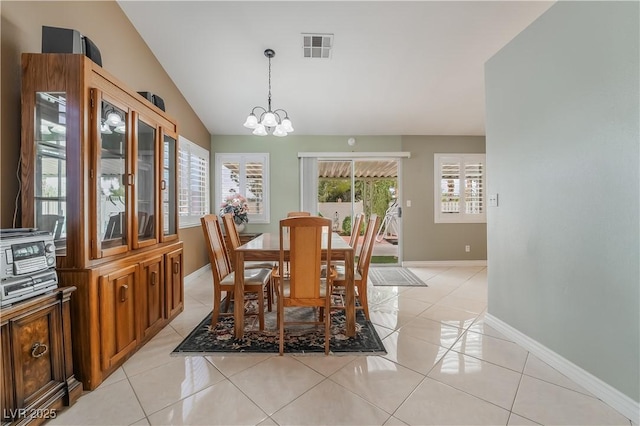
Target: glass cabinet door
x=169, y=194
x=112, y=178
x=50, y=196
x=145, y=182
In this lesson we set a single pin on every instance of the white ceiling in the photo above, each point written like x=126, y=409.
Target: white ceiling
x=397, y=68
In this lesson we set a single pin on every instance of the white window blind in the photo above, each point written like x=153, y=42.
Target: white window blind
x=246, y=175
x=193, y=183
x=459, y=188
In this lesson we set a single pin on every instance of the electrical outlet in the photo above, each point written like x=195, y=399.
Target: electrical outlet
x=408, y=203
x=493, y=200
x=467, y=248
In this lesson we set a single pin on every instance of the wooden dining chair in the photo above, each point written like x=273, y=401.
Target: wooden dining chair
x=232, y=238
x=304, y=285
x=353, y=242
x=255, y=280
x=297, y=214
x=355, y=231
x=361, y=272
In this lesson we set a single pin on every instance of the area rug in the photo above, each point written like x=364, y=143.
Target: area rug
x=394, y=276
x=204, y=340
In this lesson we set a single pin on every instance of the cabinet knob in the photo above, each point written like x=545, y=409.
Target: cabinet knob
x=154, y=278
x=123, y=293
x=39, y=349
x=163, y=184
x=176, y=267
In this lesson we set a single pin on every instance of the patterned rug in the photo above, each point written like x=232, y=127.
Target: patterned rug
x=394, y=276
x=204, y=340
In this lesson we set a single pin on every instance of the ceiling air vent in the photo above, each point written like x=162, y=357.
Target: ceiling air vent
x=317, y=45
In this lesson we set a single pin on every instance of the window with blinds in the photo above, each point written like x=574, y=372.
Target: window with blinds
x=459, y=188
x=193, y=183
x=245, y=175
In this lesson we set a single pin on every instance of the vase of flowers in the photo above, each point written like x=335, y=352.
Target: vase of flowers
x=237, y=205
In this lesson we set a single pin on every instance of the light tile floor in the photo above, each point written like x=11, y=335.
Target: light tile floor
x=443, y=366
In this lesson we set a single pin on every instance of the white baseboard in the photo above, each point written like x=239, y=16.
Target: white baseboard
x=616, y=399
x=195, y=274
x=432, y=263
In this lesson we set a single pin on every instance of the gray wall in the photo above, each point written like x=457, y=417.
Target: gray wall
x=423, y=240
x=563, y=151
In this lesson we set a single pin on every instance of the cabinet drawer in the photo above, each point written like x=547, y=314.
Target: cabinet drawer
x=37, y=353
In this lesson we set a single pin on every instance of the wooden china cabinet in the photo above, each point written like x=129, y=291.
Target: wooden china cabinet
x=99, y=171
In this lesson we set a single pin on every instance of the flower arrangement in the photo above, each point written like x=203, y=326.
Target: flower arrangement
x=237, y=205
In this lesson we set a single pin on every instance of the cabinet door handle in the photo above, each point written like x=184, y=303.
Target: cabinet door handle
x=154, y=278
x=123, y=293
x=38, y=349
x=163, y=184
x=176, y=267
x=129, y=179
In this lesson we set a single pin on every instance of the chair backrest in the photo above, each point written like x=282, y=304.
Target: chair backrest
x=304, y=237
x=367, y=246
x=297, y=214
x=218, y=255
x=355, y=231
x=232, y=237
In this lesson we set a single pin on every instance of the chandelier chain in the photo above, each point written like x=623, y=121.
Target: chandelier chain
x=269, y=98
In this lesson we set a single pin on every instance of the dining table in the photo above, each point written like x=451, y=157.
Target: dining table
x=266, y=248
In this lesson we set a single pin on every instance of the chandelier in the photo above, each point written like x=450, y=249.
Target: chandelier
x=277, y=120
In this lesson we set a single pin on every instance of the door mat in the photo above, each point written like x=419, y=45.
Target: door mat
x=394, y=276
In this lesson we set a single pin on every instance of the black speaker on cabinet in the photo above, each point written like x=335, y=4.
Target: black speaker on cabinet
x=91, y=51
x=154, y=99
x=64, y=40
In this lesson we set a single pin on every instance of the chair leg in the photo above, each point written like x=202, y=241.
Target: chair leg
x=362, y=295
x=327, y=328
x=227, y=300
x=216, y=307
x=261, y=309
x=281, y=324
x=269, y=289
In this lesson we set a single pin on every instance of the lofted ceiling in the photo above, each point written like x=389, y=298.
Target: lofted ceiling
x=396, y=68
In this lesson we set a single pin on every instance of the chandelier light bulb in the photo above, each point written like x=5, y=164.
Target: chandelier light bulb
x=269, y=120
x=260, y=131
x=252, y=121
x=286, y=125
x=105, y=129
x=279, y=131
x=120, y=129
x=113, y=119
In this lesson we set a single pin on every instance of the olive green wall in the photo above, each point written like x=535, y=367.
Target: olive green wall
x=423, y=240
x=124, y=54
x=283, y=164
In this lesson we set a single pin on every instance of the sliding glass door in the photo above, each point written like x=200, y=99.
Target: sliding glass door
x=347, y=187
